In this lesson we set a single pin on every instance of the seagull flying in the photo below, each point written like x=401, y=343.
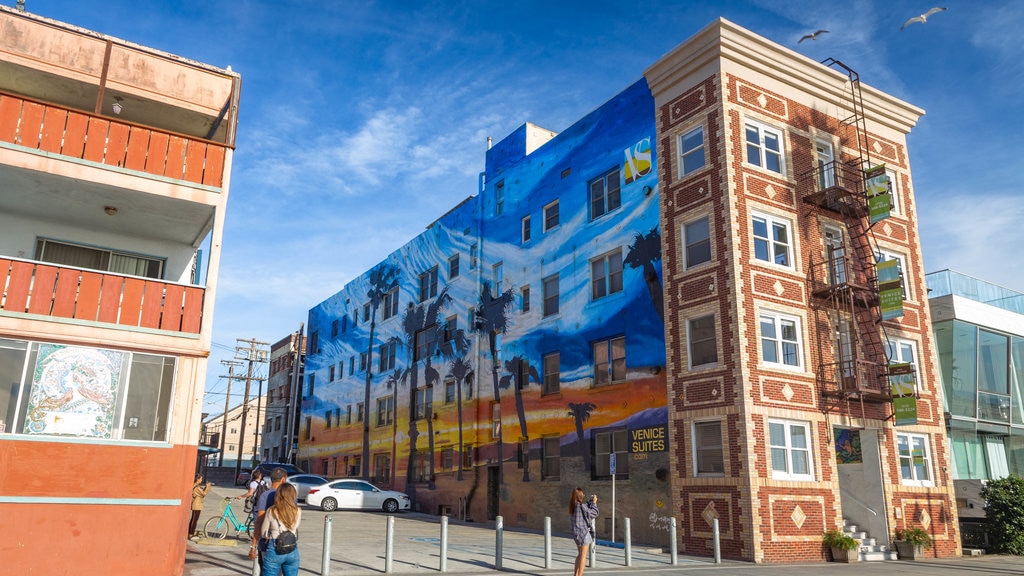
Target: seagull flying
x=812, y=36
x=923, y=18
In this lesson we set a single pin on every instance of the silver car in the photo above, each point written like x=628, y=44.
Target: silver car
x=357, y=494
x=303, y=482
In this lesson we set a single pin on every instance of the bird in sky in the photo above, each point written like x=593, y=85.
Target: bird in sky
x=923, y=18
x=813, y=36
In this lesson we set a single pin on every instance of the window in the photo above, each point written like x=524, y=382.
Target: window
x=764, y=147
x=67, y=254
x=702, y=340
x=780, y=340
x=467, y=457
x=835, y=255
x=426, y=341
x=381, y=467
x=604, y=194
x=606, y=275
x=498, y=277
x=453, y=267
x=344, y=323
x=449, y=390
x=472, y=256
x=330, y=373
x=451, y=328
x=901, y=265
x=826, y=165
x=900, y=351
x=314, y=342
x=552, y=375
x=499, y=198
x=387, y=356
x=327, y=419
x=423, y=405
x=277, y=424
x=351, y=365
x=524, y=294
x=334, y=329
x=915, y=459
x=691, y=151
x=359, y=411
x=551, y=216
x=420, y=466
x=362, y=361
x=348, y=414
x=355, y=469
x=790, y=450
x=708, y=451
x=428, y=284
x=526, y=229
x=495, y=420
x=308, y=427
x=771, y=240
x=551, y=295
x=389, y=303
x=366, y=311
x=696, y=242
x=551, y=466
x=447, y=458
x=609, y=361
x=606, y=444
x=312, y=381
x=385, y=410
x=355, y=317
x=894, y=195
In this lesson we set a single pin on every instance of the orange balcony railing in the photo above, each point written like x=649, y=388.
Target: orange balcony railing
x=62, y=292
x=76, y=134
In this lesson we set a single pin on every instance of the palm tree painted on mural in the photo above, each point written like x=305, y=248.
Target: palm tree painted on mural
x=491, y=319
x=393, y=380
x=643, y=253
x=420, y=323
x=519, y=373
x=383, y=279
x=460, y=369
x=580, y=413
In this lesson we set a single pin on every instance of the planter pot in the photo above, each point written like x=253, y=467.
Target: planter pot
x=908, y=551
x=848, y=556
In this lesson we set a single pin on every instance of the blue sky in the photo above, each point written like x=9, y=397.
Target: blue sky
x=362, y=122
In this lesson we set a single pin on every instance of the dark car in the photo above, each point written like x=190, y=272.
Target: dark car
x=266, y=467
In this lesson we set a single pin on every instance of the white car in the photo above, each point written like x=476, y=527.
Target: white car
x=357, y=494
x=303, y=482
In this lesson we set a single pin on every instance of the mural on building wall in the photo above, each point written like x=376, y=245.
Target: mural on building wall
x=73, y=391
x=563, y=267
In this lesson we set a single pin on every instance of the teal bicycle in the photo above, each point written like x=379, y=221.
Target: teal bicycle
x=218, y=526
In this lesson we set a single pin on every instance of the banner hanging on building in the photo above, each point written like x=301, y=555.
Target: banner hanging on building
x=890, y=290
x=903, y=387
x=879, y=193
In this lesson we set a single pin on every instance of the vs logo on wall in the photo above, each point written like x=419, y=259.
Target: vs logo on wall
x=638, y=160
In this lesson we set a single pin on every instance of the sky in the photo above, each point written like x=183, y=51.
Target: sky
x=361, y=122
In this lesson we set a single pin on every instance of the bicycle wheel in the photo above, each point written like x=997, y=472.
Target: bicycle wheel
x=248, y=527
x=216, y=527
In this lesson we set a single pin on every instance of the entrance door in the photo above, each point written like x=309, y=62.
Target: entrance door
x=861, y=488
x=492, y=492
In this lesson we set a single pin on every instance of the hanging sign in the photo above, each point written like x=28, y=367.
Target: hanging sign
x=905, y=409
x=890, y=292
x=879, y=193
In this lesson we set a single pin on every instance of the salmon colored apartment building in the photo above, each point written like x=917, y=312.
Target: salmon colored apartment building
x=115, y=164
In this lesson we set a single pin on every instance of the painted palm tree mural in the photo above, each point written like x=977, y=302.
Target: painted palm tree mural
x=383, y=279
x=643, y=253
x=392, y=382
x=519, y=373
x=491, y=319
x=580, y=412
x=462, y=371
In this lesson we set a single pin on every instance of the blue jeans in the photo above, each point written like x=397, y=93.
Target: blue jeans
x=274, y=562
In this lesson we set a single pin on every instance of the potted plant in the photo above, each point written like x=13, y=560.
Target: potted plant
x=911, y=542
x=845, y=548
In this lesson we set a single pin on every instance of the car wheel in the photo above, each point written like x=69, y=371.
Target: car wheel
x=391, y=505
x=329, y=504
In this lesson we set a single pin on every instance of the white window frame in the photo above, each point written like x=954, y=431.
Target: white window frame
x=526, y=234
x=610, y=280
x=553, y=206
x=898, y=350
x=790, y=450
x=700, y=448
x=499, y=198
x=610, y=200
x=770, y=241
x=824, y=161
x=687, y=264
x=551, y=365
x=690, y=340
x=894, y=187
x=778, y=321
x=553, y=297
x=905, y=444
x=761, y=146
x=605, y=372
x=694, y=150
x=551, y=455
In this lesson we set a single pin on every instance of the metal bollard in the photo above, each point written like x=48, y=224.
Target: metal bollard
x=325, y=560
x=592, y=557
x=627, y=541
x=444, y=543
x=256, y=562
x=718, y=548
x=389, y=544
x=547, y=542
x=673, y=546
x=499, y=530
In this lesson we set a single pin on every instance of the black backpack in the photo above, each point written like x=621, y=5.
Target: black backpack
x=250, y=502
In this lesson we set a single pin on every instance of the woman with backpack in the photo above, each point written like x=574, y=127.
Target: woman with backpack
x=279, y=527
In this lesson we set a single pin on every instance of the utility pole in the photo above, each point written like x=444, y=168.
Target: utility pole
x=227, y=406
x=291, y=421
x=252, y=355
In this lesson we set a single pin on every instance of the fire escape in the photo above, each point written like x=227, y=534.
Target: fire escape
x=852, y=359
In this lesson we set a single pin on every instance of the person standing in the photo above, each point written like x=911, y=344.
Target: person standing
x=199, y=492
x=582, y=514
x=259, y=548
x=284, y=515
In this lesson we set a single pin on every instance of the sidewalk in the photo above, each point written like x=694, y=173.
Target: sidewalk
x=358, y=538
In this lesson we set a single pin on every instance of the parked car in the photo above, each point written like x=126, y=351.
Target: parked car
x=357, y=494
x=266, y=467
x=243, y=477
x=303, y=482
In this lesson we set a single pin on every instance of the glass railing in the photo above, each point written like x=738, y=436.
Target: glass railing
x=946, y=282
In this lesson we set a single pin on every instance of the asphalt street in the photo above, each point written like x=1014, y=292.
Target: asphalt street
x=358, y=541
